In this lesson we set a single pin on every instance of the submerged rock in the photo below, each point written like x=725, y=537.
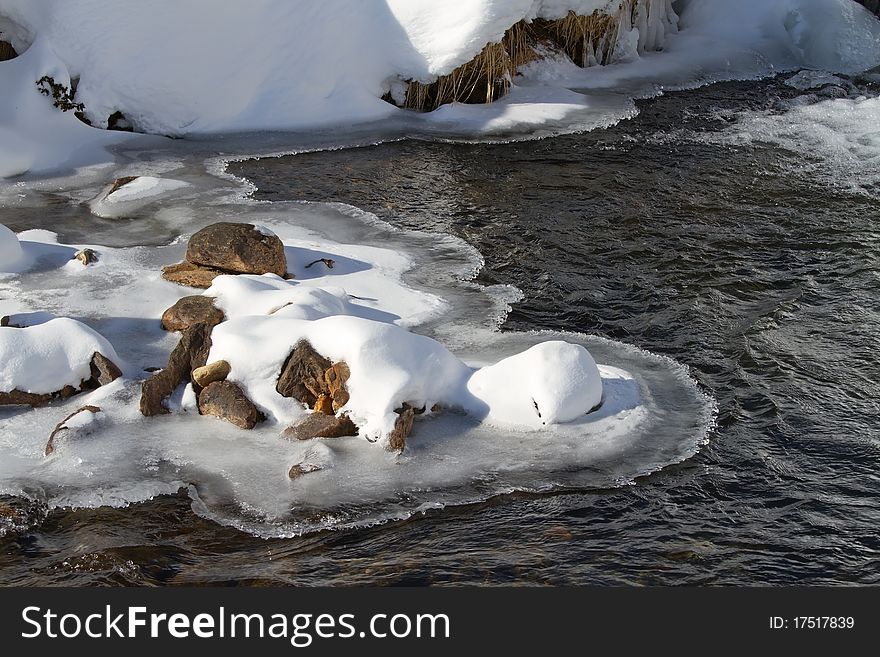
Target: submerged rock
x=226, y=401
x=191, y=310
x=63, y=426
x=186, y=273
x=301, y=469
x=402, y=427
x=239, y=248
x=318, y=425
x=189, y=354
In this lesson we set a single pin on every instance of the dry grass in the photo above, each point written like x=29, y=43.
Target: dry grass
x=586, y=40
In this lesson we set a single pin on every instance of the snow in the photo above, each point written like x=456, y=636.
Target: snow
x=808, y=79
x=10, y=249
x=133, y=196
x=47, y=357
x=34, y=135
x=550, y=383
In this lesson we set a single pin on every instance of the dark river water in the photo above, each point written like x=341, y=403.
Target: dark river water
x=729, y=259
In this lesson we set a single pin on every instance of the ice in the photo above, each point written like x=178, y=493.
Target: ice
x=133, y=195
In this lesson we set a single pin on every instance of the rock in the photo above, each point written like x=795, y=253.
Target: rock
x=240, y=248
x=302, y=375
x=19, y=398
x=189, y=354
x=191, y=310
x=104, y=371
x=336, y=377
x=402, y=428
x=4, y=321
x=86, y=256
x=7, y=51
x=301, y=469
x=318, y=425
x=210, y=373
x=324, y=405
x=62, y=426
x=225, y=400
x=186, y=273
x=117, y=121
x=121, y=182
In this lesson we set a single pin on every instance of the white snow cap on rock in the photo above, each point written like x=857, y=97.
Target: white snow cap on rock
x=46, y=357
x=10, y=248
x=551, y=383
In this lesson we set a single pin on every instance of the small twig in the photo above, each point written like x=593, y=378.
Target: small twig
x=326, y=261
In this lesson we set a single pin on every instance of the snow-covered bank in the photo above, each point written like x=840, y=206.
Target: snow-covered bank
x=176, y=68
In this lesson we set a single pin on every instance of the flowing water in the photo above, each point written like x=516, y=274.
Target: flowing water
x=754, y=265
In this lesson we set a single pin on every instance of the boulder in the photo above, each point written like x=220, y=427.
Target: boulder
x=189, y=354
x=402, y=428
x=239, y=248
x=225, y=400
x=318, y=425
x=186, y=273
x=210, y=373
x=302, y=375
x=191, y=310
x=103, y=371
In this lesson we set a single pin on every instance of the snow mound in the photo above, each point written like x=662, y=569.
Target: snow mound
x=550, y=383
x=10, y=249
x=46, y=357
x=269, y=294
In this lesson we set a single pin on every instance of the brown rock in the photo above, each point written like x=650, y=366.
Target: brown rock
x=121, y=182
x=186, y=273
x=62, y=426
x=4, y=321
x=302, y=375
x=225, y=400
x=86, y=256
x=191, y=310
x=7, y=51
x=216, y=371
x=190, y=353
x=104, y=371
x=336, y=377
x=324, y=405
x=301, y=469
x=402, y=428
x=318, y=425
x=19, y=398
x=239, y=248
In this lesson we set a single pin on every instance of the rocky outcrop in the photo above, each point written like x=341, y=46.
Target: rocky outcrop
x=238, y=248
x=186, y=273
x=191, y=310
x=318, y=425
x=190, y=353
x=211, y=373
x=225, y=400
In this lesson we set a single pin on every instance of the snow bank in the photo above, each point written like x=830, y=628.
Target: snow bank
x=46, y=357
x=10, y=249
x=34, y=135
